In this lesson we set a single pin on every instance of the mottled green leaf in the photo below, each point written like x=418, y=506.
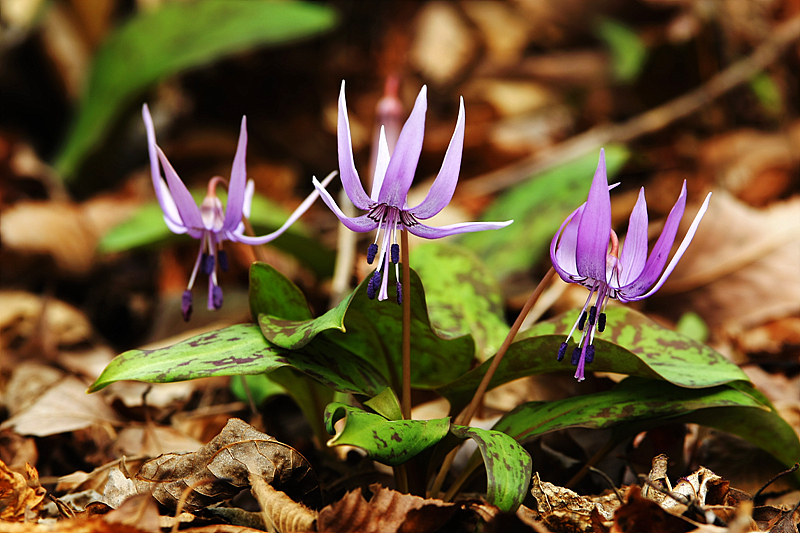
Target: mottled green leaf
x=637, y=404
x=176, y=37
x=632, y=402
x=462, y=295
x=628, y=52
x=274, y=294
x=371, y=331
x=632, y=344
x=508, y=466
x=538, y=208
x=392, y=442
x=239, y=350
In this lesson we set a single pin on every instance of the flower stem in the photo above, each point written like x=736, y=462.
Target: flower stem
x=405, y=404
x=465, y=417
x=257, y=250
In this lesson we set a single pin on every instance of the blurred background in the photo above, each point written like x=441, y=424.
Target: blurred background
x=705, y=91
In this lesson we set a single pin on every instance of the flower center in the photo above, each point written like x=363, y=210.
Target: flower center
x=211, y=207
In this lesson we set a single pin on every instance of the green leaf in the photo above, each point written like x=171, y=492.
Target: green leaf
x=462, y=295
x=508, y=466
x=369, y=330
x=272, y=293
x=391, y=442
x=238, y=350
x=632, y=344
x=630, y=403
x=628, y=52
x=176, y=37
x=386, y=404
x=538, y=208
x=261, y=387
x=637, y=404
x=768, y=93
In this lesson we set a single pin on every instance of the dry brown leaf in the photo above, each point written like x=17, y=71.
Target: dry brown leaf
x=221, y=469
x=387, y=511
x=504, y=31
x=153, y=441
x=27, y=384
x=20, y=496
x=640, y=515
x=443, y=45
x=279, y=510
x=64, y=407
x=562, y=509
x=21, y=317
x=742, y=265
x=139, y=511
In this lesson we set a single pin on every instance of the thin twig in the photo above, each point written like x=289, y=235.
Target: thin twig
x=648, y=122
x=465, y=417
x=774, y=479
x=610, y=483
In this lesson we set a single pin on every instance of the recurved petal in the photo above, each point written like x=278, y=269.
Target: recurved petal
x=162, y=191
x=594, y=230
x=297, y=213
x=236, y=187
x=405, y=157
x=188, y=209
x=445, y=183
x=634, y=248
x=358, y=224
x=626, y=295
x=428, y=232
x=564, y=244
x=347, y=167
x=658, y=257
x=249, y=191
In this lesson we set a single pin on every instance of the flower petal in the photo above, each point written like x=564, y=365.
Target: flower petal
x=445, y=183
x=163, y=195
x=428, y=232
x=381, y=163
x=249, y=190
x=236, y=187
x=658, y=257
x=564, y=245
x=403, y=164
x=347, y=167
x=190, y=213
x=634, y=248
x=297, y=213
x=678, y=254
x=594, y=230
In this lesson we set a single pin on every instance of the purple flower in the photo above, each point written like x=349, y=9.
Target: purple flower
x=387, y=207
x=580, y=254
x=208, y=222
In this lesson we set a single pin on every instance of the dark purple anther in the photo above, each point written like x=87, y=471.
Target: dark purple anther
x=576, y=355
x=582, y=321
x=186, y=305
x=372, y=251
x=590, y=353
x=395, y=253
x=372, y=285
x=208, y=264
x=592, y=315
x=399, y=292
x=601, y=322
x=222, y=258
x=216, y=297
x=562, y=350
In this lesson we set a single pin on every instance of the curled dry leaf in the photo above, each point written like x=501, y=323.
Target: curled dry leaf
x=387, y=511
x=20, y=496
x=221, y=469
x=562, y=509
x=21, y=317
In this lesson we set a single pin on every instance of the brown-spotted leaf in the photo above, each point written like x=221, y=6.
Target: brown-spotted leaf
x=221, y=469
x=387, y=511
